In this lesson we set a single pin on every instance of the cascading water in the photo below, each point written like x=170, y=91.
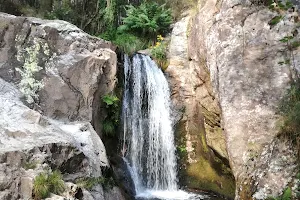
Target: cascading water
x=148, y=141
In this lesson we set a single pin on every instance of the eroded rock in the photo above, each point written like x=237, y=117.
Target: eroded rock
x=200, y=140
x=242, y=52
x=52, y=77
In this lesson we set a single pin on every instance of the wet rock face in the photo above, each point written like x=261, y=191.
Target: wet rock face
x=52, y=77
x=242, y=52
x=200, y=140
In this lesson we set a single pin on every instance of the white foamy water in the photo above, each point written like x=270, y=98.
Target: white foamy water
x=170, y=195
x=148, y=141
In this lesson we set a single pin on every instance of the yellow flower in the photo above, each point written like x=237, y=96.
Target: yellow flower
x=160, y=38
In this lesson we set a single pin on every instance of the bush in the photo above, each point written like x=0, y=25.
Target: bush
x=147, y=20
x=44, y=184
x=111, y=121
x=130, y=43
x=41, y=186
x=159, y=52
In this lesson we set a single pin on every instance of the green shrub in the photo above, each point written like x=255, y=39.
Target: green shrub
x=56, y=183
x=41, y=186
x=111, y=121
x=147, y=20
x=46, y=183
x=159, y=52
x=130, y=43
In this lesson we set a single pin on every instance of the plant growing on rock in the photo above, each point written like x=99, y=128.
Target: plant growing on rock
x=287, y=195
x=46, y=183
x=111, y=121
x=147, y=20
x=159, y=52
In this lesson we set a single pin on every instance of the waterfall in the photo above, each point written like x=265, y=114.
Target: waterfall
x=148, y=141
x=148, y=125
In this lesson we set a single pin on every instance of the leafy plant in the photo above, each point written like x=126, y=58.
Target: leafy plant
x=159, y=52
x=56, y=183
x=147, y=20
x=130, y=43
x=111, y=121
x=275, y=20
x=46, y=183
x=181, y=149
x=30, y=165
x=110, y=100
x=41, y=186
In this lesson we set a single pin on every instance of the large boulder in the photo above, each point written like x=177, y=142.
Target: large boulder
x=52, y=78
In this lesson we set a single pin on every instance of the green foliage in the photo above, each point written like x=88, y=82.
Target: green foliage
x=30, y=165
x=108, y=127
x=159, y=52
x=41, y=186
x=110, y=100
x=298, y=185
x=127, y=42
x=130, y=43
x=147, y=20
x=111, y=121
x=280, y=4
x=46, y=183
x=287, y=195
x=286, y=39
x=56, y=183
x=181, y=149
x=275, y=20
x=63, y=11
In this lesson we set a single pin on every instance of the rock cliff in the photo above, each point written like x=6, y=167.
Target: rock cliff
x=200, y=141
x=52, y=78
x=231, y=73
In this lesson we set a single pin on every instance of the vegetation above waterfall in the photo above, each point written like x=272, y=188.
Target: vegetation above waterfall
x=132, y=25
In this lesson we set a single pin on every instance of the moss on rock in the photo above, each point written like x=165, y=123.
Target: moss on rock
x=202, y=175
x=200, y=167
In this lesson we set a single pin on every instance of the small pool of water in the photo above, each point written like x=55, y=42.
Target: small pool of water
x=175, y=195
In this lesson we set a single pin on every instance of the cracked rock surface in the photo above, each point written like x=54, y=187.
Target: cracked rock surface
x=55, y=132
x=242, y=52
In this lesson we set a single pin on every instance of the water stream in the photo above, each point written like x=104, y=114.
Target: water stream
x=148, y=143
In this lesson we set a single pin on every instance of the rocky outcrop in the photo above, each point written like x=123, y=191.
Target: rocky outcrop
x=201, y=143
x=52, y=77
x=242, y=53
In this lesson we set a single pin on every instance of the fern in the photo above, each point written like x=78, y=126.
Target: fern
x=147, y=20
